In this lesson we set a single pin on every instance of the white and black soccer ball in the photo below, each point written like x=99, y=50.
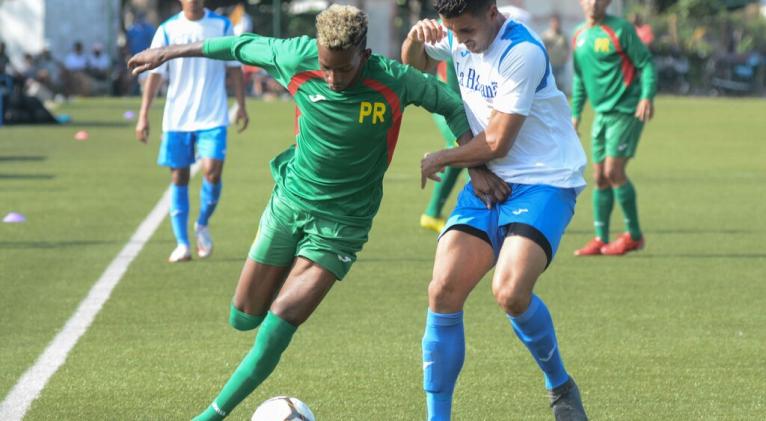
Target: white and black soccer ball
x=283, y=408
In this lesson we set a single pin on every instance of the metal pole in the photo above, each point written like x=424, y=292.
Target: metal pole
x=276, y=18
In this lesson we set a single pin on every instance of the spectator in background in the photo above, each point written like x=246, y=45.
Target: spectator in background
x=48, y=71
x=76, y=81
x=644, y=30
x=138, y=38
x=76, y=60
x=99, y=64
x=4, y=60
x=28, y=67
x=557, y=44
x=139, y=35
x=241, y=20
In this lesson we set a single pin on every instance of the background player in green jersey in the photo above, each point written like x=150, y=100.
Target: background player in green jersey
x=432, y=218
x=613, y=69
x=329, y=185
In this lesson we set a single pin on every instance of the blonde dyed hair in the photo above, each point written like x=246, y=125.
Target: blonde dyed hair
x=341, y=27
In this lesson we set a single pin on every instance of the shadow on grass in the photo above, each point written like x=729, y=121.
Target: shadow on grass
x=85, y=124
x=701, y=256
x=50, y=244
x=27, y=176
x=23, y=158
x=395, y=259
x=682, y=231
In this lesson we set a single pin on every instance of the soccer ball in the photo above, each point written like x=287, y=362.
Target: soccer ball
x=283, y=408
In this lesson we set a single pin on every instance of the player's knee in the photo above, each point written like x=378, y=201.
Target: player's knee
x=615, y=176
x=513, y=301
x=601, y=181
x=180, y=178
x=242, y=321
x=213, y=177
x=442, y=292
x=289, y=311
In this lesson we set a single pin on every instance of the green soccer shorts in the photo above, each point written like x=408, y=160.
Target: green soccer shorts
x=286, y=231
x=615, y=135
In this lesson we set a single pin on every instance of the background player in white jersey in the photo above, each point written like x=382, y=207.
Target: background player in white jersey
x=524, y=136
x=195, y=119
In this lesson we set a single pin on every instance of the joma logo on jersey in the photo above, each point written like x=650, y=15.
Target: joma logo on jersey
x=601, y=45
x=374, y=110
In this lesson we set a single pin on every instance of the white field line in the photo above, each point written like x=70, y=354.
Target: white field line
x=33, y=381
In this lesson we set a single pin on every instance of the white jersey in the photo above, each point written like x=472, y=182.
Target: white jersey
x=197, y=92
x=513, y=76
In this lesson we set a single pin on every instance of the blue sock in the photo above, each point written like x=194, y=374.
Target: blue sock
x=179, y=212
x=535, y=328
x=443, y=355
x=208, y=197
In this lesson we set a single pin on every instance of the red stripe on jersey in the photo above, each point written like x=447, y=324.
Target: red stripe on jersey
x=301, y=78
x=396, y=111
x=628, y=70
x=574, y=38
x=441, y=70
x=295, y=83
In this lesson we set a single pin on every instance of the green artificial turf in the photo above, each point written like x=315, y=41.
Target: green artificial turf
x=674, y=332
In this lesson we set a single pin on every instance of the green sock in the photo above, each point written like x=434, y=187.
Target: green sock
x=242, y=321
x=441, y=192
x=626, y=197
x=603, y=202
x=272, y=339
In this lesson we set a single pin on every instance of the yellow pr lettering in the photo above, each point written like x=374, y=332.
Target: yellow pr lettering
x=365, y=109
x=379, y=112
x=601, y=45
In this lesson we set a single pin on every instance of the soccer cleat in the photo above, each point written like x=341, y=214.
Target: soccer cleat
x=567, y=403
x=204, y=241
x=180, y=254
x=622, y=245
x=431, y=223
x=593, y=248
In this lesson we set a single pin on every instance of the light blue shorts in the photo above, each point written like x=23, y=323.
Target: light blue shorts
x=178, y=148
x=538, y=212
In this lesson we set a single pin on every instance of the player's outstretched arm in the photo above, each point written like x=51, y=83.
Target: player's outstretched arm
x=154, y=57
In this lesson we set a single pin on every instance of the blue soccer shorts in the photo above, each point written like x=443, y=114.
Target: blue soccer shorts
x=538, y=212
x=178, y=148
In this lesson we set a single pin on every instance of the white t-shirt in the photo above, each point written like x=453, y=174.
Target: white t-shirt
x=513, y=76
x=197, y=92
x=100, y=62
x=75, y=62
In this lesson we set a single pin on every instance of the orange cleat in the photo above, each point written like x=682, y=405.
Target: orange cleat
x=622, y=245
x=593, y=248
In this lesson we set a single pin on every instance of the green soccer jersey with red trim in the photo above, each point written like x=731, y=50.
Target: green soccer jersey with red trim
x=612, y=67
x=344, y=140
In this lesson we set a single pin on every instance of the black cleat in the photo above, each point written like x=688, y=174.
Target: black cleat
x=567, y=403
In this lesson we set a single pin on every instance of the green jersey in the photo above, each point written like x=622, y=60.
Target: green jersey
x=344, y=140
x=612, y=67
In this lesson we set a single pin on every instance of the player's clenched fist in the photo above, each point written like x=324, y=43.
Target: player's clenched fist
x=426, y=30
